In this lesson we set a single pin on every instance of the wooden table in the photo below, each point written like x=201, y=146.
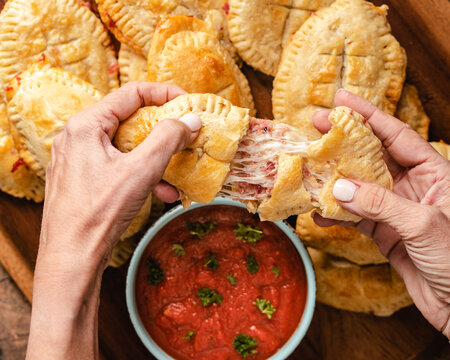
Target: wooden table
x=422, y=27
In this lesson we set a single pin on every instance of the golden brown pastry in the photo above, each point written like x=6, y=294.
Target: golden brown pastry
x=68, y=33
x=340, y=241
x=185, y=51
x=260, y=29
x=132, y=66
x=268, y=165
x=16, y=178
x=133, y=21
x=411, y=112
x=442, y=148
x=40, y=101
x=346, y=45
x=375, y=289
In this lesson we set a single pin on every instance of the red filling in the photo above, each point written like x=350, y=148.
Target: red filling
x=17, y=165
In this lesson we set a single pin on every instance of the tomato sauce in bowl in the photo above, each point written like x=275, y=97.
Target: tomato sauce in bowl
x=216, y=283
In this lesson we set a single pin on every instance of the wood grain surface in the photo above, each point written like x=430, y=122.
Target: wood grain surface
x=422, y=27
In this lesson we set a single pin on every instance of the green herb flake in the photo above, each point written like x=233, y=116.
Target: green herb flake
x=155, y=273
x=208, y=296
x=245, y=345
x=276, y=270
x=212, y=262
x=201, y=229
x=178, y=250
x=189, y=335
x=248, y=233
x=252, y=265
x=265, y=307
x=232, y=279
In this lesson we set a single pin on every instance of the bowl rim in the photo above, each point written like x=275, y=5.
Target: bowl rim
x=145, y=337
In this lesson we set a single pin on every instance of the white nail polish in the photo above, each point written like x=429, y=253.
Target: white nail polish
x=344, y=190
x=192, y=121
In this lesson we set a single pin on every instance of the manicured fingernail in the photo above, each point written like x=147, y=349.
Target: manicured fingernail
x=192, y=121
x=344, y=190
x=339, y=90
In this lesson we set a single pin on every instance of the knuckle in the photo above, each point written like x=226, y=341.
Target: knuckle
x=74, y=126
x=373, y=201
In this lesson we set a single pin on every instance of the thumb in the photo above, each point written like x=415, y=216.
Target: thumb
x=376, y=203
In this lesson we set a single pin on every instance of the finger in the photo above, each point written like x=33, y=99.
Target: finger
x=324, y=222
x=404, y=145
x=122, y=103
x=166, y=192
x=166, y=139
x=320, y=121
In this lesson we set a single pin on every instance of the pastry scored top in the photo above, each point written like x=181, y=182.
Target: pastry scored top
x=186, y=51
x=40, y=101
x=259, y=29
x=68, y=33
x=132, y=66
x=272, y=169
x=346, y=45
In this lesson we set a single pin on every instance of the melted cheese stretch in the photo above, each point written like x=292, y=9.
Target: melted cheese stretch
x=255, y=165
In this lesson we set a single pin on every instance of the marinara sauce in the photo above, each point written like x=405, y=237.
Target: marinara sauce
x=168, y=299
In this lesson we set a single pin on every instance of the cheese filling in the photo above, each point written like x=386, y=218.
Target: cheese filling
x=255, y=166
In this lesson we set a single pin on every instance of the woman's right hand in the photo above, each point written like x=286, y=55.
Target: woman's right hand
x=410, y=224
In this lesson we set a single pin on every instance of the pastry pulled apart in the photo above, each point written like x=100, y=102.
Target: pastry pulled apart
x=270, y=166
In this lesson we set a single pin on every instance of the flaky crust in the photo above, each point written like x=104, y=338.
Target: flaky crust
x=200, y=170
x=40, y=101
x=132, y=66
x=187, y=52
x=259, y=30
x=349, y=150
x=442, y=148
x=340, y=241
x=30, y=28
x=22, y=182
x=411, y=112
x=346, y=45
x=376, y=289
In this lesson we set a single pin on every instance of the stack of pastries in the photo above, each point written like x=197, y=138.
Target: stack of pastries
x=57, y=58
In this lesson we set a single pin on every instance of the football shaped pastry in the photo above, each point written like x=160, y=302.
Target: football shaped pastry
x=187, y=52
x=270, y=166
x=66, y=31
x=40, y=101
x=132, y=66
x=442, y=148
x=260, y=29
x=346, y=45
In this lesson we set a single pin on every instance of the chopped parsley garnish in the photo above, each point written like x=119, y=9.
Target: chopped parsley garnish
x=201, y=229
x=189, y=335
x=155, y=273
x=212, y=262
x=265, y=307
x=232, y=279
x=245, y=345
x=248, y=233
x=252, y=265
x=276, y=270
x=208, y=296
x=178, y=250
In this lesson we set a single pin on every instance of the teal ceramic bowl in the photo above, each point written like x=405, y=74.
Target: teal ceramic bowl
x=153, y=347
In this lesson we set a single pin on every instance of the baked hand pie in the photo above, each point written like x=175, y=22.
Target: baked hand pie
x=346, y=45
x=133, y=21
x=411, y=112
x=270, y=166
x=16, y=178
x=40, y=101
x=375, y=289
x=340, y=241
x=132, y=66
x=187, y=52
x=442, y=148
x=67, y=32
x=260, y=29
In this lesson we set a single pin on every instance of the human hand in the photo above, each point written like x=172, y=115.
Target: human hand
x=410, y=224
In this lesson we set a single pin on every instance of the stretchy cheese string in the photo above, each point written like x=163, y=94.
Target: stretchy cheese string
x=255, y=166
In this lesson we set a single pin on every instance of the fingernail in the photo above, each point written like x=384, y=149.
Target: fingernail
x=192, y=121
x=339, y=90
x=344, y=190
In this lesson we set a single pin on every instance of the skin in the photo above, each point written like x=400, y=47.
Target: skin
x=93, y=192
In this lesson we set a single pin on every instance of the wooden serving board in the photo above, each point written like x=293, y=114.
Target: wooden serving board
x=422, y=28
